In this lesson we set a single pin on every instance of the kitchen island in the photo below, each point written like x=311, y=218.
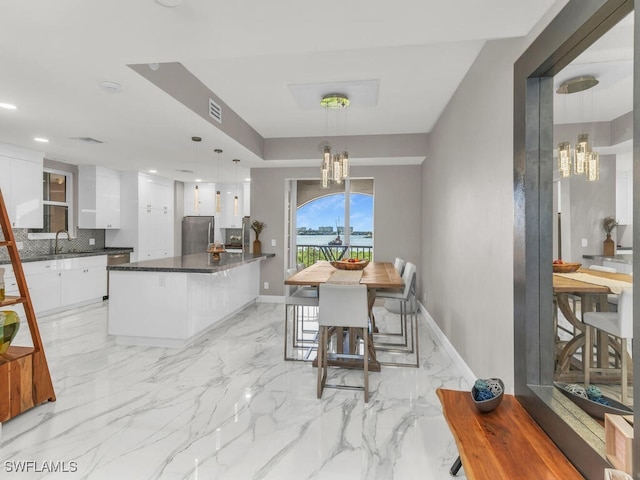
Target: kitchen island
x=169, y=302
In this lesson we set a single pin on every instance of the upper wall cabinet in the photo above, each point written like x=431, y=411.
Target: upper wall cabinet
x=98, y=197
x=204, y=203
x=21, y=184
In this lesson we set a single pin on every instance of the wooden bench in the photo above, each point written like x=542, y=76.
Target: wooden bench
x=504, y=444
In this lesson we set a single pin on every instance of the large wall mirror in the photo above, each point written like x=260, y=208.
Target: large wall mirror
x=574, y=189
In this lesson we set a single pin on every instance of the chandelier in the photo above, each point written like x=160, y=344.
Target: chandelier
x=335, y=166
x=585, y=160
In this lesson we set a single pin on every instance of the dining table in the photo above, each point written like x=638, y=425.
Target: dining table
x=593, y=287
x=376, y=276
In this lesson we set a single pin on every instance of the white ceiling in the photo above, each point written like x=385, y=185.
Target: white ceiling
x=54, y=54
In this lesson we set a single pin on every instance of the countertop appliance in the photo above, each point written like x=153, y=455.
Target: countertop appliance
x=197, y=234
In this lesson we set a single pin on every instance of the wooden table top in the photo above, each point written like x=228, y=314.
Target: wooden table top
x=569, y=285
x=378, y=275
x=503, y=444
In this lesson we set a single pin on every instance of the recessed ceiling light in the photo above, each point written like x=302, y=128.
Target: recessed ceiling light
x=41, y=140
x=153, y=171
x=154, y=66
x=111, y=87
x=198, y=180
x=8, y=106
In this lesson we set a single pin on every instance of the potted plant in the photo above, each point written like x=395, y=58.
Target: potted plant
x=257, y=227
x=609, y=246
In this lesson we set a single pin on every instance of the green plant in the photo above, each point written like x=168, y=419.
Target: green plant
x=257, y=227
x=608, y=224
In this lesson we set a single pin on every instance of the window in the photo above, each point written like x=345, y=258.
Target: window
x=57, y=194
x=333, y=223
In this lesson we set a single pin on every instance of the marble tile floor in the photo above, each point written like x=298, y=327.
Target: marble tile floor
x=226, y=407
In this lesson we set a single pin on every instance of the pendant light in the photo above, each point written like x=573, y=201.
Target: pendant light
x=593, y=167
x=196, y=200
x=585, y=160
x=235, y=198
x=218, y=203
x=564, y=159
x=334, y=167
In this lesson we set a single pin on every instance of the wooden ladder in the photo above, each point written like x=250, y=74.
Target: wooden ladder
x=24, y=374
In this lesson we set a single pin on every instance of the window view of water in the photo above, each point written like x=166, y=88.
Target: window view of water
x=356, y=240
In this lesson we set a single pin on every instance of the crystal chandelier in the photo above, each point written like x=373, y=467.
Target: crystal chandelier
x=585, y=160
x=335, y=166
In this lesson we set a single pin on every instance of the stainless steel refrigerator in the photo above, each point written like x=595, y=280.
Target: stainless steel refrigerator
x=197, y=234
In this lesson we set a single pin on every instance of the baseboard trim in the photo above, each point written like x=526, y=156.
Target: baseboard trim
x=270, y=299
x=467, y=374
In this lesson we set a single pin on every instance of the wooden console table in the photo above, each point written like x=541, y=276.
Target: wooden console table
x=504, y=444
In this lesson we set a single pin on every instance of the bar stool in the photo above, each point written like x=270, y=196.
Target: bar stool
x=620, y=325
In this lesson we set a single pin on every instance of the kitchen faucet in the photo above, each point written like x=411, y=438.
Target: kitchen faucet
x=55, y=248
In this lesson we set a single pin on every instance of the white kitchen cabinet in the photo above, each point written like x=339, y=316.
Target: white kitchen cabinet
x=206, y=199
x=624, y=198
x=147, y=217
x=98, y=197
x=21, y=184
x=228, y=218
x=56, y=285
x=84, y=280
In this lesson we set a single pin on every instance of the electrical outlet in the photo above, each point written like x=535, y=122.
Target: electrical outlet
x=266, y=285
x=92, y=241
x=273, y=242
x=584, y=242
x=20, y=245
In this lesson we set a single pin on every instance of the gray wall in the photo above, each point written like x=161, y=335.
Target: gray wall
x=588, y=203
x=397, y=214
x=468, y=216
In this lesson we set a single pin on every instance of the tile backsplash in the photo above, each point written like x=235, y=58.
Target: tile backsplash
x=35, y=248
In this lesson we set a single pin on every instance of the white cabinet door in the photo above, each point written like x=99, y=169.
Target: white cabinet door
x=107, y=198
x=206, y=199
x=98, y=197
x=21, y=183
x=83, y=284
x=44, y=289
x=26, y=193
x=229, y=219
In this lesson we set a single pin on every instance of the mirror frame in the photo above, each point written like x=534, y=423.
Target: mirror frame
x=573, y=30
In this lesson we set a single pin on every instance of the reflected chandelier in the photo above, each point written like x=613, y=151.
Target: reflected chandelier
x=584, y=159
x=335, y=166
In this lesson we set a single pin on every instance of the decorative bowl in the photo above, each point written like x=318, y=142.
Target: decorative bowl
x=485, y=406
x=593, y=408
x=9, y=325
x=567, y=267
x=347, y=265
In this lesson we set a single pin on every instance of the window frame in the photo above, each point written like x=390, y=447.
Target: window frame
x=69, y=204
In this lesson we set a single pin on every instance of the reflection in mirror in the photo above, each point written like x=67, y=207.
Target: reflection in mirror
x=593, y=205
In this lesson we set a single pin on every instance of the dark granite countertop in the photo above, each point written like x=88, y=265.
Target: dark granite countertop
x=194, y=263
x=92, y=253
x=619, y=258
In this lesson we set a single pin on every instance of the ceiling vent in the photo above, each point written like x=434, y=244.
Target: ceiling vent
x=215, y=111
x=87, y=139
x=181, y=170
